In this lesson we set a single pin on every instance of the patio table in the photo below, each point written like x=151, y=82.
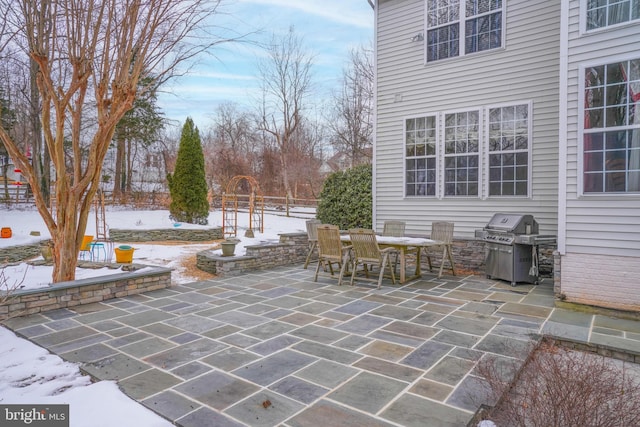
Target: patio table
x=404, y=245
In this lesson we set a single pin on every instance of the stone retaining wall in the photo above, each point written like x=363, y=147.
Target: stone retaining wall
x=85, y=291
x=161, y=235
x=21, y=252
x=292, y=248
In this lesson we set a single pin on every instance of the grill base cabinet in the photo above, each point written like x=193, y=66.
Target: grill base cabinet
x=512, y=263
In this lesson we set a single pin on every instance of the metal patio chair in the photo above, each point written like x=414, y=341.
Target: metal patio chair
x=367, y=252
x=442, y=235
x=312, y=236
x=331, y=250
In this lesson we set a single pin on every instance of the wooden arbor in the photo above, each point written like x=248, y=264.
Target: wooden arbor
x=230, y=207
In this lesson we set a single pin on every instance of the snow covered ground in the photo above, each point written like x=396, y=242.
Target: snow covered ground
x=31, y=375
x=24, y=222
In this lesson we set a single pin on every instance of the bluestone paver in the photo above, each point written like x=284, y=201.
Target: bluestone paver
x=377, y=389
x=274, y=347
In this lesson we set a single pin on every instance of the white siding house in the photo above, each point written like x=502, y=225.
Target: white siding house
x=599, y=245
x=467, y=112
x=516, y=106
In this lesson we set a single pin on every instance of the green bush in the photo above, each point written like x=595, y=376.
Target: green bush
x=345, y=199
x=187, y=185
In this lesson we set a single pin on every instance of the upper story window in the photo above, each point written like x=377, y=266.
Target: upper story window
x=604, y=13
x=459, y=27
x=611, y=128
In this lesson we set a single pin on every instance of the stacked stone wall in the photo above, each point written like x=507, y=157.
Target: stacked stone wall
x=166, y=234
x=84, y=291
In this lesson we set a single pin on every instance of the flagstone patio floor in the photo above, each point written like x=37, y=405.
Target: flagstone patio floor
x=275, y=348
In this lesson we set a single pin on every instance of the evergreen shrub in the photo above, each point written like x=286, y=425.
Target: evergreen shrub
x=187, y=184
x=346, y=200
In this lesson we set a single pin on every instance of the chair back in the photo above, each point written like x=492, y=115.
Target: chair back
x=442, y=231
x=86, y=243
x=329, y=244
x=394, y=228
x=312, y=224
x=365, y=245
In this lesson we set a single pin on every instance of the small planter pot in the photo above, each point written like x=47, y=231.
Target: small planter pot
x=228, y=247
x=47, y=252
x=5, y=232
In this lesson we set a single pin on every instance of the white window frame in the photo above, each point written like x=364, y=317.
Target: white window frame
x=580, y=126
x=437, y=194
x=583, y=19
x=483, y=152
x=443, y=155
x=487, y=152
x=461, y=21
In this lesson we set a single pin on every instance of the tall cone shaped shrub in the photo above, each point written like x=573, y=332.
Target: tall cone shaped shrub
x=187, y=184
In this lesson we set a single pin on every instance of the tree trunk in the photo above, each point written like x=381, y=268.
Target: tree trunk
x=72, y=213
x=118, y=178
x=129, y=164
x=46, y=174
x=285, y=174
x=39, y=161
x=5, y=181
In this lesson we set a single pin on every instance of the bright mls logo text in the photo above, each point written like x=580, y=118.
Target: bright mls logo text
x=34, y=415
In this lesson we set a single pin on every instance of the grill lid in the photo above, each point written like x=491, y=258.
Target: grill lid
x=512, y=223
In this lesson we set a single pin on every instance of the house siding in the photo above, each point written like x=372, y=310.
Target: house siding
x=600, y=252
x=596, y=224
x=525, y=69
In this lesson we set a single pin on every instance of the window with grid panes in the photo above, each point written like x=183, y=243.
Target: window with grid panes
x=611, y=128
x=509, y=150
x=604, y=13
x=461, y=153
x=459, y=27
x=420, y=156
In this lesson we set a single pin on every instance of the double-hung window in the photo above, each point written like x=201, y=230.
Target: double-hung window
x=460, y=27
x=461, y=153
x=604, y=13
x=420, y=155
x=509, y=150
x=444, y=151
x=611, y=128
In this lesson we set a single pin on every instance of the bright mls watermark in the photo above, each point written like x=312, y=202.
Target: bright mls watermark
x=34, y=415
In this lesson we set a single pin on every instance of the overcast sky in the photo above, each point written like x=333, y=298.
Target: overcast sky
x=329, y=29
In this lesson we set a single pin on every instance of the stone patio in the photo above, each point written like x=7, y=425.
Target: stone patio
x=275, y=348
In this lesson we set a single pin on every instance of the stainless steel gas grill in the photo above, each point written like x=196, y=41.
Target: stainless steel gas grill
x=511, y=247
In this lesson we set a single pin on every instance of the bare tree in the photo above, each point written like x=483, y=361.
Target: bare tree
x=90, y=56
x=230, y=146
x=305, y=158
x=286, y=83
x=352, y=116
